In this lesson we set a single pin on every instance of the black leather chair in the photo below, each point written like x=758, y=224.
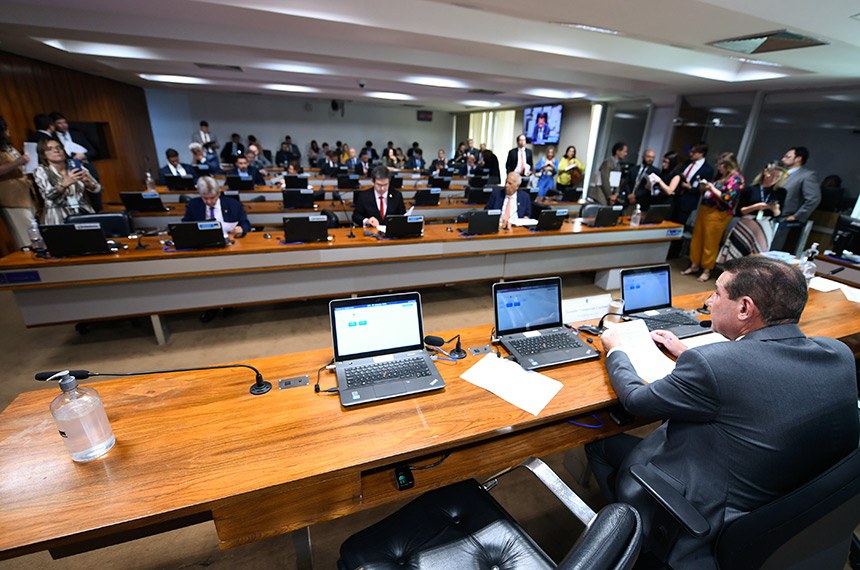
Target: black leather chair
x=463, y=217
x=114, y=224
x=462, y=526
x=811, y=527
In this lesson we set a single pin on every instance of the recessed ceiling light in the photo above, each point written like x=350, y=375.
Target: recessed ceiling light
x=844, y=98
x=477, y=103
x=625, y=116
x=436, y=82
x=184, y=79
x=390, y=96
x=755, y=61
x=587, y=28
x=722, y=111
x=290, y=88
x=294, y=68
x=554, y=93
x=102, y=50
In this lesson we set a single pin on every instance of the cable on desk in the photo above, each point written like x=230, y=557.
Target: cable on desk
x=429, y=465
x=317, y=385
x=597, y=425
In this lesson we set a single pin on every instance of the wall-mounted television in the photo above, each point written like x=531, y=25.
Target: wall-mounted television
x=542, y=124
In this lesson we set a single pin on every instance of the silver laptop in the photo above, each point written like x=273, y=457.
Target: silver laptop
x=529, y=324
x=379, y=348
x=647, y=295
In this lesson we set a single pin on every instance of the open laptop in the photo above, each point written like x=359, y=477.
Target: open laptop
x=647, y=295
x=483, y=222
x=295, y=198
x=142, y=202
x=379, y=348
x=428, y=197
x=180, y=182
x=347, y=181
x=305, y=229
x=443, y=182
x=296, y=181
x=550, y=220
x=395, y=183
x=607, y=216
x=656, y=214
x=67, y=240
x=529, y=324
x=238, y=183
x=478, y=181
x=478, y=195
x=197, y=235
x=404, y=226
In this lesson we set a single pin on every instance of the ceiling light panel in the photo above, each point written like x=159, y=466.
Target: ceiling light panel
x=477, y=103
x=390, y=96
x=290, y=88
x=182, y=79
x=101, y=50
x=554, y=93
x=436, y=82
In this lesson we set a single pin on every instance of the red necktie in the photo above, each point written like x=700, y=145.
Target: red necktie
x=382, y=207
x=687, y=173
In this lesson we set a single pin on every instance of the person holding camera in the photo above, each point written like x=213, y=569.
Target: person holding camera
x=65, y=185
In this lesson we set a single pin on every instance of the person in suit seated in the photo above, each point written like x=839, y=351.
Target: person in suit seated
x=175, y=168
x=210, y=205
x=329, y=167
x=416, y=162
x=362, y=167
x=748, y=421
x=352, y=162
x=245, y=170
x=469, y=167
x=440, y=162
x=282, y=157
x=204, y=163
x=520, y=158
x=513, y=202
x=233, y=149
x=373, y=206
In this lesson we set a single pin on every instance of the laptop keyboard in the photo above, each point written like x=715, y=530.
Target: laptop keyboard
x=385, y=371
x=668, y=320
x=545, y=343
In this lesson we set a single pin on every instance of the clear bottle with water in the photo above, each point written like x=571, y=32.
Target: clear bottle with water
x=636, y=218
x=81, y=420
x=37, y=243
x=807, y=262
x=150, y=183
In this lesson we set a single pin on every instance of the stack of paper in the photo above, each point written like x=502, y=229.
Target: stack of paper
x=528, y=390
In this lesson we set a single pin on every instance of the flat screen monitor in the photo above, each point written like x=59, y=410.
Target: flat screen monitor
x=846, y=235
x=542, y=124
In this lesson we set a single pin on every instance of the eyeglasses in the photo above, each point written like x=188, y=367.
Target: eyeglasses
x=47, y=148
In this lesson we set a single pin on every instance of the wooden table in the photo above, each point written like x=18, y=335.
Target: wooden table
x=195, y=446
x=153, y=281
x=845, y=271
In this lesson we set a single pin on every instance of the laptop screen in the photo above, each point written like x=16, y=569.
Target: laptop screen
x=527, y=305
x=646, y=288
x=372, y=326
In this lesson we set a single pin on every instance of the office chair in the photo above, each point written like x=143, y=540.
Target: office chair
x=811, y=527
x=114, y=224
x=589, y=210
x=791, y=237
x=463, y=217
x=461, y=525
x=332, y=221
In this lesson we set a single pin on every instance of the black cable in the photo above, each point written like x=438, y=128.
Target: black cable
x=429, y=466
x=317, y=385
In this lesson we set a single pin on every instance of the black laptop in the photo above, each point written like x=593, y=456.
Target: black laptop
x=379, y=348
x=180, y=182
x=347, y=181
x=483, y=222
x=395, y=183
x=67, y=240
x=443, y=182
x=197, y=235
x=478, y=181
x=404, y=226
x=308, y=229
x=142, y=202
x=296, y=181
x=607, y=216
x=478, y=195
x=302, y=199
x=550, y=220
x=238, y=183
x=529, y=324
x=656, y=214
x=428, y=197
x=647, y=295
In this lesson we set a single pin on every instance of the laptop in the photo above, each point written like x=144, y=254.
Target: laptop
x=296, y=181
x=302, y=199
x=478, y=181
x=404, y=226
x=428, y=197
x=142, y=202
x=180, y=182
x=647, y=295
x=529, y=325
x=607, y=216
x=483, y=222
x=656, y=214
x=233, y=194
x=442, y=182
x=550, y=220
x=379, y=348
x=197, y=235
x=238, y=183
x=347, y=181
x=67, y=240
x=478, y=195
x=306, y=229
x=395, y=183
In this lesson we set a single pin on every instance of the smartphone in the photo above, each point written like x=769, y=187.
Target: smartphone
x=74, y=163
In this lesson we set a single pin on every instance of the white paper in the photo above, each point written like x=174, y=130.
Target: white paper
x=824, y=285
x=851, y=294
x=380, y=229
x=32, y=150
x=653, y=177
x=703, y=339
x=650, y=364
x=73, y=148
x=585, y=308
x=228, y=227
x=524, y=222
x=615, y=179
x=528, y=390
x=409, y=211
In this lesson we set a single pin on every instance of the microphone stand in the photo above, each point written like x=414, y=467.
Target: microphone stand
x=351, y=234
x=259, y=387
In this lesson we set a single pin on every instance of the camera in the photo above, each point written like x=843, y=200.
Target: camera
x=362, y=83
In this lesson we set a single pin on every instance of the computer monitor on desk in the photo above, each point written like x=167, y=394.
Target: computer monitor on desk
x=142, y=202
x=179, y=182
x=238, y=183
x=347, y=181
x=296, y=181
x=443, y=182
x=846, y=235
x=302, y=199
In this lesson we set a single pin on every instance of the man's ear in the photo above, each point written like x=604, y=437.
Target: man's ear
x=747, y=309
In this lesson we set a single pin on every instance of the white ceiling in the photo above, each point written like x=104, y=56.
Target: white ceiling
x=504, y=46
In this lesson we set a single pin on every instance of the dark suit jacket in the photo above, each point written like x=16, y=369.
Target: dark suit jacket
x=748, y=422
x=414, y=164
x=231, y=209
x=359, y=168
x=684, y=202
x=39, y=135
x=282, y=158
x=366, y=205
x=328, y=170
x=640, y=190
x=253, y=173
x=436, y=164
x=226, y=152
x=511, y=162
x=164, y=171
x=497, y=201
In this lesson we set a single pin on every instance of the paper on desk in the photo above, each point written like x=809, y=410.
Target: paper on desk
x=528, y=390
x=824, y=285
x=585, y=308
x=32, y=150
x=649, y=362
x=851, y=293
x=703, y=339
x=524, y=222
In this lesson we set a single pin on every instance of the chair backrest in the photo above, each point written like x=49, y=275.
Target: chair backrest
x=589, y=210
x=791, y=237
x=332, y=221
x=809, y=528
x=611, y=541
x=114, y=224
x=463, y=217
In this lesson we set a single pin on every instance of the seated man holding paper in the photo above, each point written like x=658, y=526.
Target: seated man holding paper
x=748, y=421
x=513, y=202
x=211, y=206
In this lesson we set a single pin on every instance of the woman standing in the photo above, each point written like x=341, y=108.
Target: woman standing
x=663, y=188
x=16, y=191
x=569, y=171
x=63, y=186
x=715, y=213
x=547, y=167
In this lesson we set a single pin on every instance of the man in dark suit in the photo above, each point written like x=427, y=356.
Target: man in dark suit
x=417, y=161
x=470, y=149
x=175, y=168
x=520, y=158
x=513, y=202
x=639, y=182
x=604, y=193
x=371, y=152
x=293, y=152
x=245, y=170
x=470, y=167
x=210, y=205
x=328, y=166
x=748, y=420
x=373, y=206
x=44, y=128
x=686, y=197
x=233, y=149
x=362, y=165
x=439, y=162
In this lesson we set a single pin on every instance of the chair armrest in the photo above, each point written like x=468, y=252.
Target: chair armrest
x=671, y=500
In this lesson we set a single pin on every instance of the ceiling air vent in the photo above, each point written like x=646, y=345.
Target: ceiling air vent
x=771, y=41
x=218, y=67
x=485, y=92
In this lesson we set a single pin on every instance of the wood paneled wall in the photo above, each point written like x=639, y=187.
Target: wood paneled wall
x=29, y=87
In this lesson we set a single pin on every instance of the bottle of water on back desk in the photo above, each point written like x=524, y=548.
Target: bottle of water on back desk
x=82, y=421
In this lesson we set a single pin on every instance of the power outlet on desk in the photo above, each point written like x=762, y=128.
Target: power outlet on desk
x=285, y=383
x=479, y=350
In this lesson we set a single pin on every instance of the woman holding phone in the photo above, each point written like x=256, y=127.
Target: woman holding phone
x=63, y=183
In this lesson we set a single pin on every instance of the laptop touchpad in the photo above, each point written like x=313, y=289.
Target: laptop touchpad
x=389, y=388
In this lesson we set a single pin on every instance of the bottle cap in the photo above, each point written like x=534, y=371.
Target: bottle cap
x=67, y=381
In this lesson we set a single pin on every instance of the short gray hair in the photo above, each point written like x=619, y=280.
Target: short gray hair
x=207, y=185
x=195, y=145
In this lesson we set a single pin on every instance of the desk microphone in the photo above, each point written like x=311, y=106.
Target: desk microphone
x=258, y=388
x=438, y=341
x=351, y=234
x=705, y=324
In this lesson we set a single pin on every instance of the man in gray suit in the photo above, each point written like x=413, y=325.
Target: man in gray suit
x=748, y=420
x=204, y=137
x=802, y=190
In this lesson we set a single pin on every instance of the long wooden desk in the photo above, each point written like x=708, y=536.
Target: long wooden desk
x=256, y=270
x=194, y=446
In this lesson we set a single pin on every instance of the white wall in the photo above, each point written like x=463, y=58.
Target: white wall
x=659, y=133
x=175, y=115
